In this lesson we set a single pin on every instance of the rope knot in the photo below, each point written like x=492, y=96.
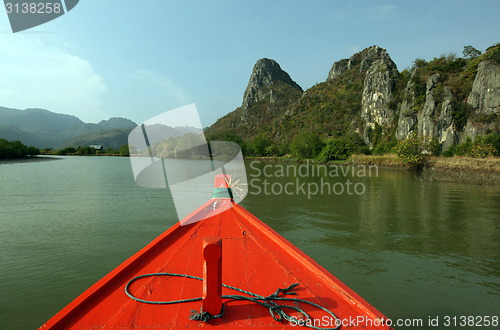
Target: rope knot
x=285, y=291
x=270, y=302
x=205, y=316
x=277, y=313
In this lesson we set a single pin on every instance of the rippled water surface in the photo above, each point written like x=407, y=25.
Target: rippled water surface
x=413, y=249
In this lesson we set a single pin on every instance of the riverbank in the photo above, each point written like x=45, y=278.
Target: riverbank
x=444, y=169
x=26, y=159
x=485, y=171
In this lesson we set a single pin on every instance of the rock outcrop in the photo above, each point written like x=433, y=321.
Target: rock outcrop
x=485, y=94
x=485, y=99
x=407, y=119
x=435, y=120
x=269, y=84
x=269, y=94
x=447, y=99
x=378, y=85
x=363, y=59
x=426, y=123
x=378, y=73
x=266, y=74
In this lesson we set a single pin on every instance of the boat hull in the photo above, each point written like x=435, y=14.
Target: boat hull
x=255, y=258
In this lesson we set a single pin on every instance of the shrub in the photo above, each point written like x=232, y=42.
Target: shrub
x=384, y=148
x=410, y=150
x=481, y=150
x=65, y=151
x=432, y=146
x=271, y=150
x=306, y=145
x=284, y=148
x=336, y=149
x=449, y=152
x=463, y=148
x=124, y=150
x=258, y=145
x=494, y=140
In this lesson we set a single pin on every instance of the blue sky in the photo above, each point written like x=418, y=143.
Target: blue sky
x=136, y=59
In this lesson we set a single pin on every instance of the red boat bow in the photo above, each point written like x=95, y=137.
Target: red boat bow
x=254, y=258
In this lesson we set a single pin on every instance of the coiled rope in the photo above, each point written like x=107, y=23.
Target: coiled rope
x=269, y=302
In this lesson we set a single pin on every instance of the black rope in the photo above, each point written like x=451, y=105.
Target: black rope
x=276, y=310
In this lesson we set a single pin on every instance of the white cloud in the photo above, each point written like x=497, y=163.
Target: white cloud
x=168, y=87
x=34, y=74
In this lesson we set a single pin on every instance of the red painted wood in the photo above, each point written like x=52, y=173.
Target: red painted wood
x=256, y=258
x=212, y=276
x=222, y=181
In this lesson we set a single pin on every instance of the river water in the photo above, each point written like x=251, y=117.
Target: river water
x=416, y=250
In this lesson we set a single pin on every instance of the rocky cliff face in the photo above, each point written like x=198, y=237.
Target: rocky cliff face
x=447, y=116
x=363, y=60
x=435, y=120
x=485, y=99
x=378, y=86
x=448, y=99
x=269, y=93
x=267, y=82
x=407, y=119
x=485, y=94
x=379, y=75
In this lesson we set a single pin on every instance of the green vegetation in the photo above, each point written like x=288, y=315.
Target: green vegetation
x=87, y=151
x=470, y=52
x=306, y=145
x=325, y=124
x=482, y=150
x=384, y=148
x=66, y=151
x=335, y=149
x=124, y=150
x=451, y=74
x=414, y=150
x=455, y=74
x=15, y=149
x=481, y=147
x=258, y=146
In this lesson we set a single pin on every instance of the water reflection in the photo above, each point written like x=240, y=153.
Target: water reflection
x=438, y=243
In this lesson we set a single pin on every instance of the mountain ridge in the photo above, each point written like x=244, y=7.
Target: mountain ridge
x=449, y=99
x=46, y=129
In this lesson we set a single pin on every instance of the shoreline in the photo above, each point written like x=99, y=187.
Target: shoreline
x=27, y=159
x=483, y=171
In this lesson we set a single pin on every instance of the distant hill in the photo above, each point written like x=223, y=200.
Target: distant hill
x=12, y=133
x=45, y=129
x=108, y=138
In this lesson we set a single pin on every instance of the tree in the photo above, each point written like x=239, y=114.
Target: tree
x=336, y=149
x=85, y=150
x=65, y=151
x=16, y=149
x=470, y=52
x=419, y=63
x=306, y=145
x=410, y=150
x=124, y=150
x=259, y=144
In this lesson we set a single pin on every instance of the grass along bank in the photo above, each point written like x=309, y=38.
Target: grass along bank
x=445, y=169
